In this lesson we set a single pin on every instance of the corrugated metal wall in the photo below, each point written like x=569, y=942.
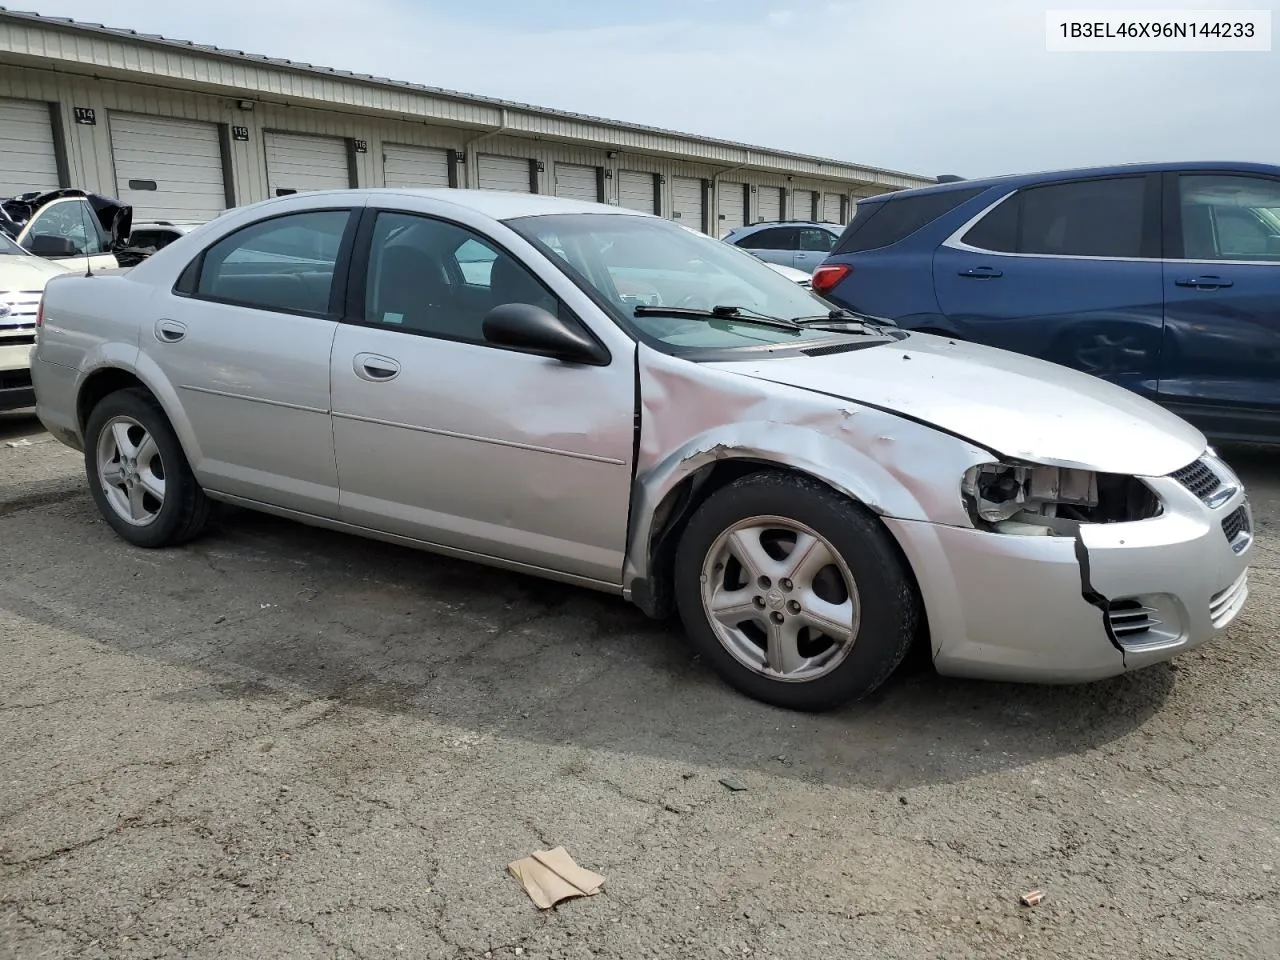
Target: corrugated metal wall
x=90, y=163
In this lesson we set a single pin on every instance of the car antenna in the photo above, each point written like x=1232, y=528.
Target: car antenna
x=88, y=257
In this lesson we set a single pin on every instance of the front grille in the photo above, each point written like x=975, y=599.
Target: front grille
x=1225, y=605
x=1200, y=479
x=1130, y=618
x=1238, y=524
x=18, y=308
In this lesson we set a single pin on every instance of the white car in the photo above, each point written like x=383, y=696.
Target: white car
x=22, y=280
x=69, y=232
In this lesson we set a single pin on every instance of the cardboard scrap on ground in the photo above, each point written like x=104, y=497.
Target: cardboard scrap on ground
x=550, y=876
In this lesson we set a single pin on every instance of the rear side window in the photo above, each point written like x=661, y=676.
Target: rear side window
x=1085, y=218
x=884, y=222
x=285, y=264
x=776, y=238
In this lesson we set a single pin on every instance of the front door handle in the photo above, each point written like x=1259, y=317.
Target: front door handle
x=375, y=368
x=170, y=331
x=982, y=273
x=1204, y=283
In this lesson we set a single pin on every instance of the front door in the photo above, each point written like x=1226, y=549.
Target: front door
x=68, y=232
x=1069, y=272
x=774, y=244
x=1221, y=365
x=245, y=345
x=445, y=439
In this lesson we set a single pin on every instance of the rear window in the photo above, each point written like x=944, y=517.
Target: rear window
x=888, y=221
x=1081, y=218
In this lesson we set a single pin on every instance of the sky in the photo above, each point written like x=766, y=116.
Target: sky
x=925, y=86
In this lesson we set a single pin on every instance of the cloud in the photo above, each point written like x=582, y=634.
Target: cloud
x=928, y=86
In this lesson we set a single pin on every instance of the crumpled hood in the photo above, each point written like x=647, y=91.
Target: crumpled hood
x=19, y=272
x=1015, y=405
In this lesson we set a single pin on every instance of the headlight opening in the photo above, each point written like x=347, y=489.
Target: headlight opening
x=1011, y=497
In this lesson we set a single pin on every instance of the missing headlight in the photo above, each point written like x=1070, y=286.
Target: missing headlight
x=1028, y=499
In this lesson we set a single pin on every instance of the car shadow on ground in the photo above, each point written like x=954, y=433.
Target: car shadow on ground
x=269, y=608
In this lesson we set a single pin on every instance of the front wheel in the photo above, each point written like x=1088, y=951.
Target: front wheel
x=138, y=474
x=796, y=595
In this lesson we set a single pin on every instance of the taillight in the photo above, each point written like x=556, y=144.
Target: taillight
x=40, y=313
x=827, y=276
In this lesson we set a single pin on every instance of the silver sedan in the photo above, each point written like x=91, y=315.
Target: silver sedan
x=602, y=397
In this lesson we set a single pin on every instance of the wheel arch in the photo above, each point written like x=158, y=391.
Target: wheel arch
x=667, y=498
x=143, y=374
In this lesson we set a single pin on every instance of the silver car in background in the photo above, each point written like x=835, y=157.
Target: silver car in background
x=602, y=397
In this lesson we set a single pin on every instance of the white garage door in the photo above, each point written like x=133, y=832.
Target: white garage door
x=732, y=200
x=769, y=203
x=27, y=159
x=687, y=201
x=296, y=163
x=802, y=204
x=168, y=169
x=577, y=182
x=831, y=207
x=503, y=173
x=637, y=191
x=405, y=166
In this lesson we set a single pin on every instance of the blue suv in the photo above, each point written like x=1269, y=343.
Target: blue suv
x=1163, y=278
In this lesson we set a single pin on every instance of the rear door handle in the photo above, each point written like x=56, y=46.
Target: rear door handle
x=1204, y=283
x=170, y=331
x=982, y=273
x=375, y=368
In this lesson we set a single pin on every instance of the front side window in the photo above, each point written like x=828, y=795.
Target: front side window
x=68, y=228
x=433, y=277
x=1229, y=217
x=775, y=238
x=632, y=263
x=1085, y=218
x=285, y=263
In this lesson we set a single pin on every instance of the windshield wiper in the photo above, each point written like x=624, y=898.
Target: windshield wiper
x=737, y=314
x=844, y=315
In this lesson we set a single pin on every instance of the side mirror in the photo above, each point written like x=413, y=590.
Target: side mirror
x=522, y=326
x=47, y=246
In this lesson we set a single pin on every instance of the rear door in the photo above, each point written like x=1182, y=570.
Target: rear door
x=1069, y=272
x=1221, y=360
x=245, y=342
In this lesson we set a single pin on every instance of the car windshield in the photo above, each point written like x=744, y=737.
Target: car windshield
x=645, y=262
x=9, y=248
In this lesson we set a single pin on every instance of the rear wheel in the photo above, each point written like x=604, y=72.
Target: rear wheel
x=796, y=595
x=138, y=474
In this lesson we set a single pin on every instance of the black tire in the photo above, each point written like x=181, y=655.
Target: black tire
x=185, y=510
x=887, y=600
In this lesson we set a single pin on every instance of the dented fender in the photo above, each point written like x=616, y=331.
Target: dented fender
x=695, y=415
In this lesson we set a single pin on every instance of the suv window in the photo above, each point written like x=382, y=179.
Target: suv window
x=286, y=263
x=1229, y=217
x=815, y=239
x=441, y=279
x=775, y=238
x=1083, y=218
x=887, y=221
x=70, y=221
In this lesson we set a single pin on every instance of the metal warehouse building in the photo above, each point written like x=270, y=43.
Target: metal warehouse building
x=183, y=131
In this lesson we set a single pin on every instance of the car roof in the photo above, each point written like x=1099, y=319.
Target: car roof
x=498, y=204
x=1015, y=180
x=764, y=224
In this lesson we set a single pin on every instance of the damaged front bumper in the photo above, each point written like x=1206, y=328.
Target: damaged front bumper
x=1115, y=597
